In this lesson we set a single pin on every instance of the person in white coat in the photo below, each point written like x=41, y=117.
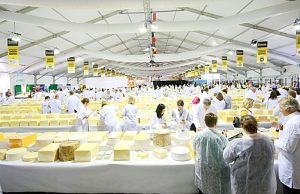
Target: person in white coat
x=129, y=114
x=158, y=119
x=2, y=98
x=108, y=114
x=251, y=160
x=73, y=103
x=203, y=109
x=181, y=116
x=251, y=93
x=83, y=115
x=46, y=105
x=219, y=102
x=289, y=146
x=272, y=101
x=55, y=104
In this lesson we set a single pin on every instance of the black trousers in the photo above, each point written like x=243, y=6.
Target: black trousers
x=287, y=190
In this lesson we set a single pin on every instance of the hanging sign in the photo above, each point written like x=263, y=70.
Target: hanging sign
x=262, y=52
x=206, y=69
x=214, y=66
x=49, y=59
x=71, y=64
x=239, y=58
x=102, y=72
x=224, y=63
x=95, y=70
x=86, y=68
x=196, y=71
x=108, y=73
x=13, y=52
x=298, y=42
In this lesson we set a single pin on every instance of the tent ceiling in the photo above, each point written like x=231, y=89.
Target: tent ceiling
x=108, y=33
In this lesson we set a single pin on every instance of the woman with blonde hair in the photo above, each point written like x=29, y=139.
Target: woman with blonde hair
x=129, y=114
x=247, y=105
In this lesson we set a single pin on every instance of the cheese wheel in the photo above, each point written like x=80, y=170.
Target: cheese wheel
x=30, y=157
x=162, y=138
x=180, y=153
x=67, y=150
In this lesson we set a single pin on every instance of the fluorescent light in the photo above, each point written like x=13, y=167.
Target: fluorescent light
x=78, y=59
x=153, y=27
x=230, y=52
x=143, y=29
x=16, y=38
x=56, y=51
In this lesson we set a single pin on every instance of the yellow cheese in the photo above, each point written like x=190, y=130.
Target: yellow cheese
x=129, y=135
x=15, y=154
x=23, y=123
x=63, y=122
x=1, y=136
x=48, y=153
x=72, y=122
x=54, y=123
x=44, y=123
x=4, y=123
x=160, y=153
x=22, y=140
x=14, y=123
x=30, y=157
x=162, y=138
x=122, y=151
x=87, y=152
x=44, y=140
x=2, y=154
x=33, y=123
x=95, y=139
x=142, y=155
x=67, y=150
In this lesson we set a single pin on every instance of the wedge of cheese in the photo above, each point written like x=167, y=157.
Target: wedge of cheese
x=160, y=153
x=54, y=122
x=15, y=154
x=48, y=153
x=142, y=155
x=122, y=151
x=67, y=150
x=1, y=136
x=87, y=152
x=2, y=154
x=23, y=123
x=30, y=157
x=22, y=140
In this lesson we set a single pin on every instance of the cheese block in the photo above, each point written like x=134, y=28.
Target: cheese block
x=142, y=155
x=61, y=139
x=81, y=138
x=129, y=135
x=2, y=154
x=67, y=150
x=33, y=123
x=63, y=122
x=22, y=140
x=122, y=151
x=23, y=123
x=30, y=157
x=1, y=136
x=113, y=138
x=95, y=139
x=162, y=138
x=87, y=152
x=180, y=153
x=54, y=122
x=44, y=123
x=4, y=123
x=160, y=153
x=48, y=153
x=44, y=140
x=72, y=121
x=14, y=123
x=142, y=141
x=15, y=154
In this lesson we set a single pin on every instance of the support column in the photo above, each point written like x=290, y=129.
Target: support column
x=53, y=77
x=78, y=80
x=260, y=76
x=35, y=79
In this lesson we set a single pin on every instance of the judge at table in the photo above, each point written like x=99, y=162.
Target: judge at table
x=158, y=118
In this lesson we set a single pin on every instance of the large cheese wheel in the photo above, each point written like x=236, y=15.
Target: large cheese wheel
x=162, y=138
x=30, y=157
x=180, y=153
x=67, y=150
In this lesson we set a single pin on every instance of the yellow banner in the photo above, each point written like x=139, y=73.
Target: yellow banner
x=224, y=63
x=12, y=53
x=201, y=69
x=49, y=59
x=214, y=66
x=86, y=68
x=206, y=69
x=262, y=52
x=102, y=72
x=108, y=73
x=298, y=42
x=71, y=64
x=196, y=71
x=239, y=58
x=95, y=70
x=113, y=73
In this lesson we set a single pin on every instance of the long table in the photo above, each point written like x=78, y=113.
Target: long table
x=102, y=176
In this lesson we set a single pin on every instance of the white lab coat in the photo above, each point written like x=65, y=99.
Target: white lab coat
x=108, y=114
x=219, y=105
x=194, y=111
x=201, y=115
x=289, y=151
x=252, y=95
x=46, y=107
x=2, y=99
x=55, y=106
x=203, y=96
x=73, y=104
x=178, y=117
x=129, y=113
x=270, y=103
x=83, y=123
x=10, y=99
x=155, y=121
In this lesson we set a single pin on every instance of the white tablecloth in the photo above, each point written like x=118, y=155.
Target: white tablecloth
x=102, y=176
